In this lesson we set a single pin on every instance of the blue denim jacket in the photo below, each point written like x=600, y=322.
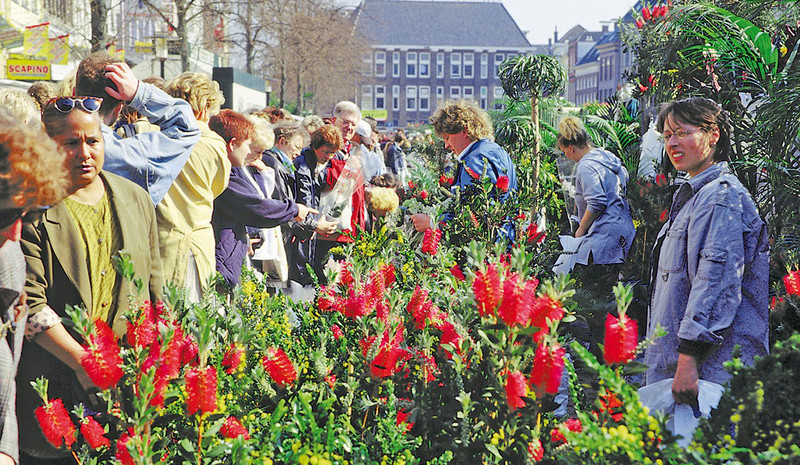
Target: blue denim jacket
x=153, y=159
x=600, y=184
x=710, y=283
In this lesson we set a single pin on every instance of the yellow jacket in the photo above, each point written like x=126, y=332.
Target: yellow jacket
x=184, y=215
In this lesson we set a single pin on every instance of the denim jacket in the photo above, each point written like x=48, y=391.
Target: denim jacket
x=710, y=281
x=153, y=159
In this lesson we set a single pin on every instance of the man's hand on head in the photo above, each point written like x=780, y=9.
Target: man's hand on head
x=123, y=78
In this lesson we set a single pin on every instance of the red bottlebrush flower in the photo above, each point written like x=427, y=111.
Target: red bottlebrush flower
x=574, y=425
x=388, y=275
x=486, y=288
x=101, y=357
x=639, y=24
x=642, y=88
x=423, y=194
x=646, y=14
x=337, y=332
x=534, y=235
x=472, y=173
x=457, y=273
x=94, y=433
x=232, y=428
x=516, y=389
x=543, y=309
x=123, y=455
x=535, y=450
x=201, y=390
x=548, y=365
x=279, y=367
x=430, y=241
x=557, y=437
x=55, y=423
x=502, y=183
x=661, y=180
x=620, y=340
x=664, y=216
x=233, y=359
x=792, y=282
x=417, y=308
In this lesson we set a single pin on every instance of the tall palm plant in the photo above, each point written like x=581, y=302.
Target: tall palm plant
x=532, y=77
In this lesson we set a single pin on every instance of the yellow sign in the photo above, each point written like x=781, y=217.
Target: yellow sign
x=379, y=115
x=35, y=40
x=59, y=50
x=22, y=69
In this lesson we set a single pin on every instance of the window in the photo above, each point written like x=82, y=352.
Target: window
x=380, y=98
x=380, y=64
x=424, y=98
x=396, y=98
x=484, y=97
x=439, y=96
x=424, y=64
x=411, y=64
x=440, y=65
x=498, y=59
x=455, y=92
x=468, y=92
x=469, y=65
x=396, y=64
x=411, y=98
x=366, y=97
x=366, y=68
x=484, y=65
x=455, y=65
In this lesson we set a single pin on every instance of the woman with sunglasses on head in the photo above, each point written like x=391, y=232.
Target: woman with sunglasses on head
x=709, y=282
x=28, y=182
x=69, y=254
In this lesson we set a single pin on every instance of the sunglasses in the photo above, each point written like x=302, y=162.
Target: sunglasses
x=67, y=104
x=10, y=216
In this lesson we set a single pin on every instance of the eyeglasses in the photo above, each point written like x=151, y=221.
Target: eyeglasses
x=679, y=134
x=67, y=104
x=10, y=216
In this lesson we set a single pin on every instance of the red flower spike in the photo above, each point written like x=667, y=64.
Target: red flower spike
x=123, y=456
x=201, y=390
x=423, y=195
x=535, y=450
x=548, y=365
x=101, y=358
x=430, y=241
x=516, y=389
x=279, y=367
x=502, y=184
x=94, y=433
x=486, y=288
x=337, y=332
x=620, y=339
x=646, y=14
x=792, y=282
x=56, y=424
x=233, y=359
x=232, y=428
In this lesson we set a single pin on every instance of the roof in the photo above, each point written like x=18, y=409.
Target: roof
x=438, y=23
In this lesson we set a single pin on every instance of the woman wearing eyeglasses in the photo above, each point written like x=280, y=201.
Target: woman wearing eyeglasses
x=709, y=287
x=605, y=219
x=69, y=256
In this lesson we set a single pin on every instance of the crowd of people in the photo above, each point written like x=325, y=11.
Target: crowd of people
x=188, y=190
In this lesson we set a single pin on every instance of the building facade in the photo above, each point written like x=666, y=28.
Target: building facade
x=424, y=53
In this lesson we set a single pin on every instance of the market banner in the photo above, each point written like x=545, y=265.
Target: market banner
x=59, y=50
x=27, y=69
x=35, y=40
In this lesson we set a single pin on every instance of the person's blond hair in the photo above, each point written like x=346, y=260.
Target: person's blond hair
x=202, y=93
x=462, y=115
x=571, y=132
x=19, y=105
x=31, y=165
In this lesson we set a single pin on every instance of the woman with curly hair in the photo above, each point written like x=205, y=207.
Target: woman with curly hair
x=28, y=182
